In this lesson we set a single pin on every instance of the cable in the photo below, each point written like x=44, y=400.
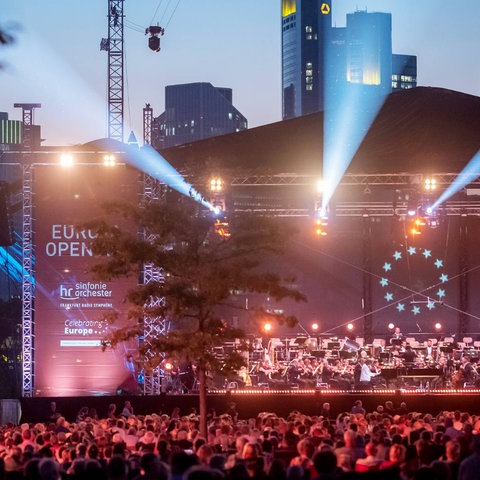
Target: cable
x=155, y=14
x=165, y=11
x=127, y=92
x=171, y=16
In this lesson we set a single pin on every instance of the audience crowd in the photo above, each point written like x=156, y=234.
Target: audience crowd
x=388, y=443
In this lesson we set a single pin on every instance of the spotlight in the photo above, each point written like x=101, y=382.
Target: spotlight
x=168, y=366
x=438, y=326
x=154, y=41
x=216, y=185
x=391, y=326
x=430, y=184
x=350, y=327
x=315, y=326
x=320, y=227
x=66, y=160
x=109, y=160
x=411, y=212
x=267, y=327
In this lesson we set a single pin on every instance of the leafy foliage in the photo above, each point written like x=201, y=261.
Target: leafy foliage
x=201, y=270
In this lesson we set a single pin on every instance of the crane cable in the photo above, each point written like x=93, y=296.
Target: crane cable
x=165, y=12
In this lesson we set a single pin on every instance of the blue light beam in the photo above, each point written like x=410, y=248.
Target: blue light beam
x=470, y=173
x=357, y=83
x=148, y=160
x=349, y=113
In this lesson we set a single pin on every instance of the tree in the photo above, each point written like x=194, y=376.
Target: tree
x=204, y=262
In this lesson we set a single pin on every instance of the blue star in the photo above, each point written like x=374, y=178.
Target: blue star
x=416, y=310
x=383, y=282
x=430, y=304
x=438, y=263
x=387, y=266
x=444, y=277
x=397, y=255
x=401, y=307
x=441, y=293
x=412, y=250
x=427, y=253
x=388, y=297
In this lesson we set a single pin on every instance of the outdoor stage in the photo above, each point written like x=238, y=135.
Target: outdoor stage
x=251, y=402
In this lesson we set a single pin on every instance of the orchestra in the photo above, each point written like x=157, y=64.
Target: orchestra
x=348, y=364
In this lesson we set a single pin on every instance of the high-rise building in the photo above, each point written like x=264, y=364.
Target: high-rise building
x=10, y=132
x=369, y=49
x=320, y=60
x=195, y=111
x=306, y=28
x=404, y=72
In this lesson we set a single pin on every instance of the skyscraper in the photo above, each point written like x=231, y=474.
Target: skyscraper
x=404, y=72
x=306, y=28
x=369, y=49
x=319, y=60
x=195, y=111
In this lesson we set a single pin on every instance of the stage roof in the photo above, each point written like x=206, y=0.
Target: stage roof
x=423, y=130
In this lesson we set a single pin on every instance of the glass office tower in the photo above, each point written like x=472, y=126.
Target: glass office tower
x=306, y=28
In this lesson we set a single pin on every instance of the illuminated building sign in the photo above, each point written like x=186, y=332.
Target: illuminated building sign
x=70, y=305
x=288, y=7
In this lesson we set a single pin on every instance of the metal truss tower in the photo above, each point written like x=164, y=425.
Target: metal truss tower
x=114, y=47
x=153, y=190
x=147, y=124
x=28, y=282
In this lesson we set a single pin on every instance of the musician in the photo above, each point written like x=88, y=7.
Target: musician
x=265, y=369
x=396, y=337
x=244, y=378
x=467, y=369
x=430, y=351
x=409, y=355
x=366, y=373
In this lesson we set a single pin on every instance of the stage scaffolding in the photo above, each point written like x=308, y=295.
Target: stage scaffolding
x=153, y=190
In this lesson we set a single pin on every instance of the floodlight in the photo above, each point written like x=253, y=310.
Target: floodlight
x=66, y=160
x=109, y=160
x=430, y=184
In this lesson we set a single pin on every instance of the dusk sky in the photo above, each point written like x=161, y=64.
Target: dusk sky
x=56, y=60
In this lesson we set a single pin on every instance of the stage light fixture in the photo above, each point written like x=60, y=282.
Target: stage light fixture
x=350, y=327
x=66, y=160
x=216, y=185
x=154, y=40
x=438, y=326
x=109, y=160
x=430, y=184
x=391, y=326
x=315, y=326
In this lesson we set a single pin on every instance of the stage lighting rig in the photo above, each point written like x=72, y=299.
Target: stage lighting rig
x=154, y=40
x=217, y=196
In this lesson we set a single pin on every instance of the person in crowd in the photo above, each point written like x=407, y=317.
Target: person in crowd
x=371, y=462
x=127, y=409
x=53, y=413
